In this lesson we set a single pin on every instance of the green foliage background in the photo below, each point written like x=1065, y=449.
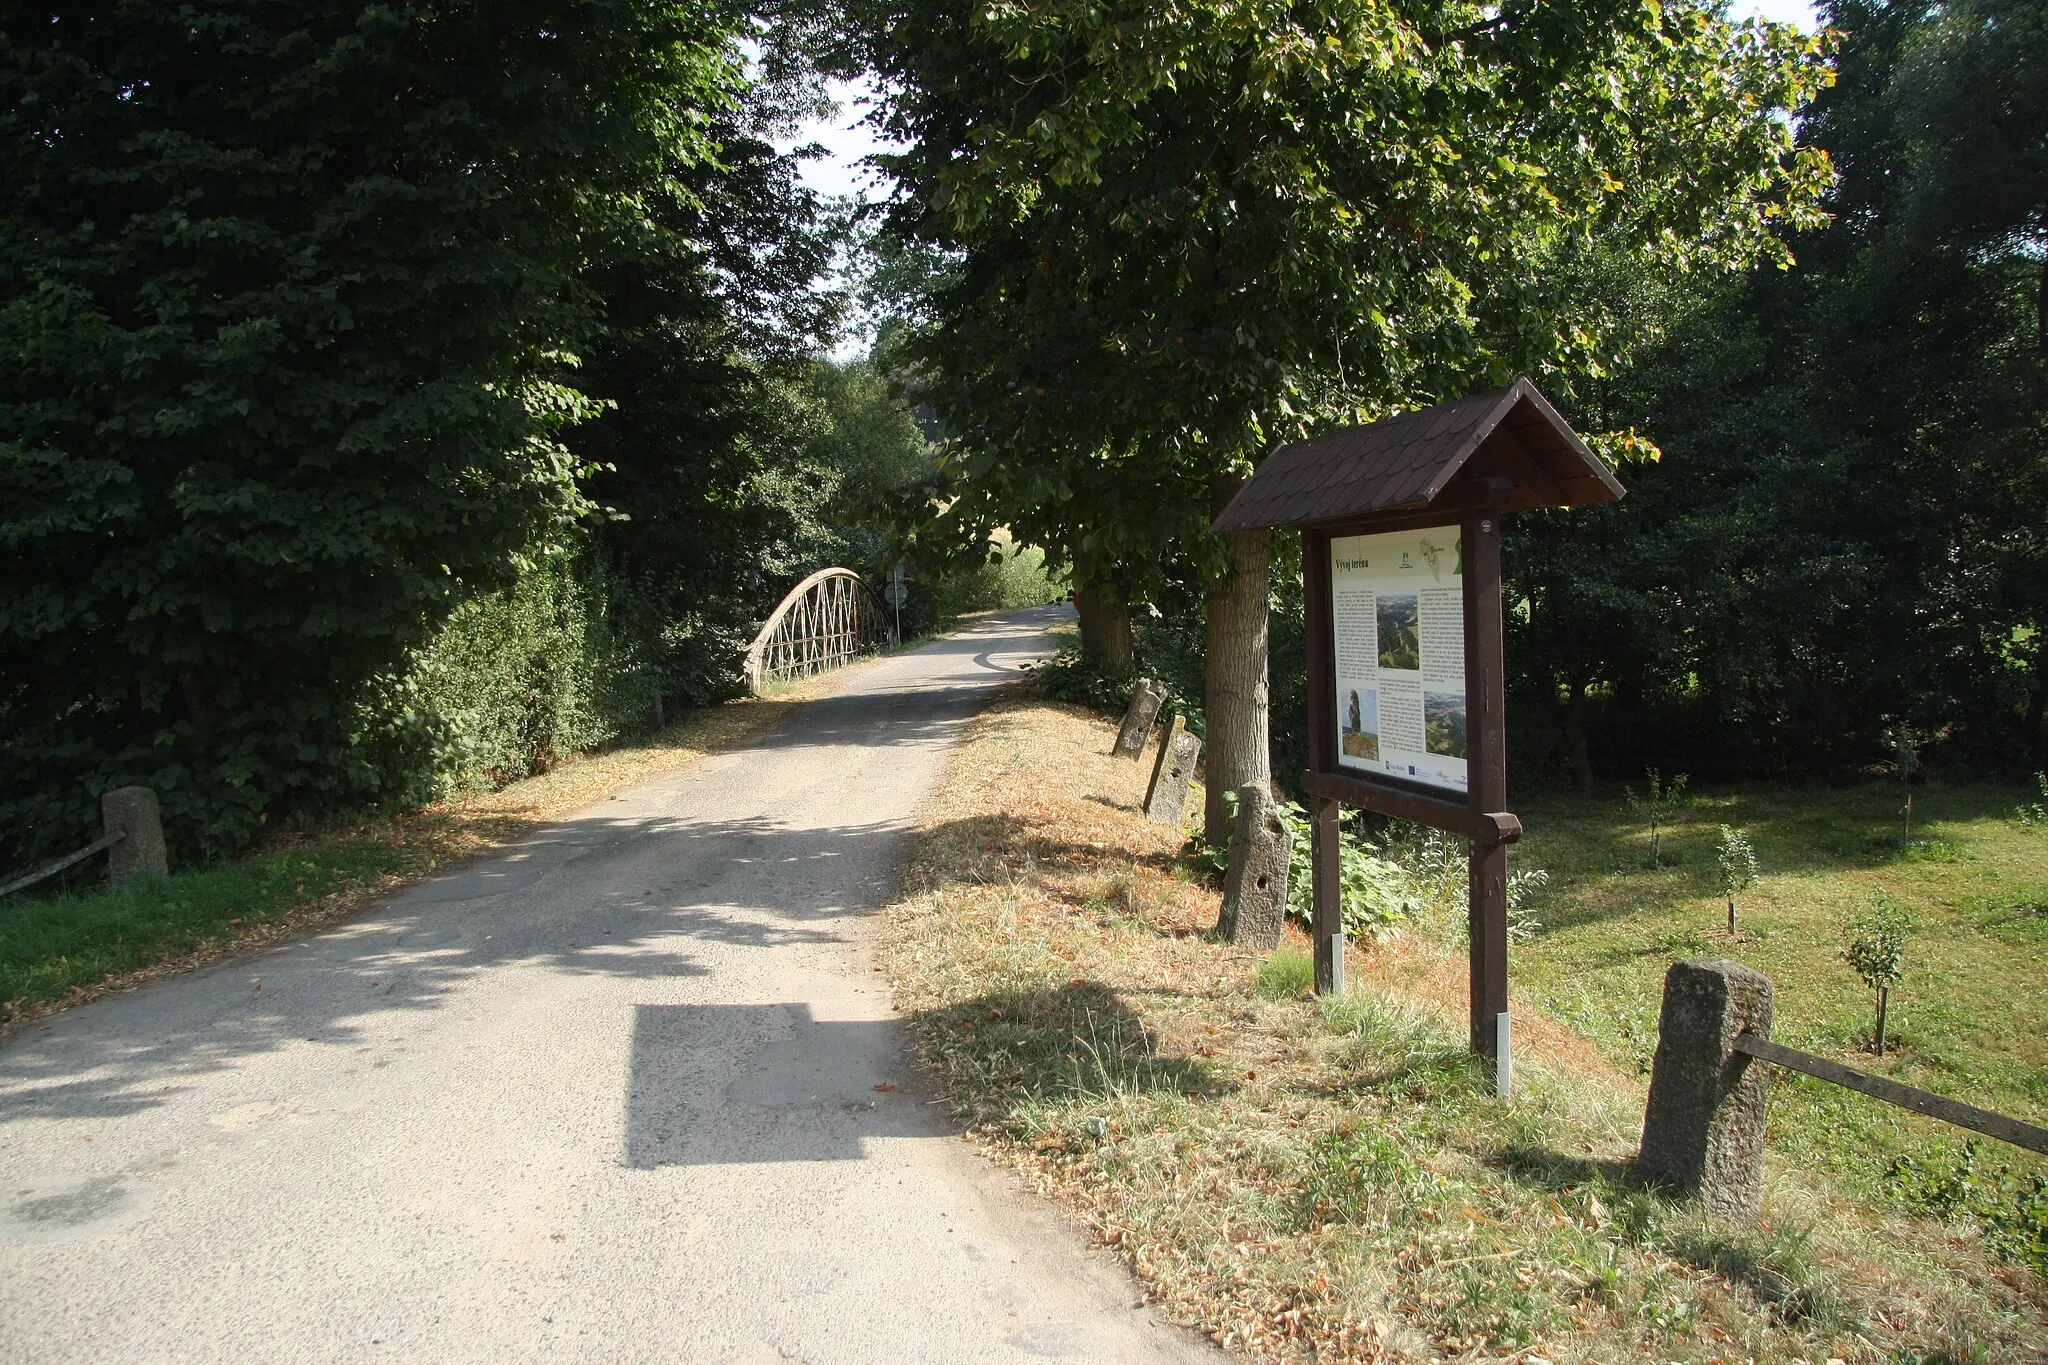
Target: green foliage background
x=1845, y=531
x=400, y=397
x=290, y=297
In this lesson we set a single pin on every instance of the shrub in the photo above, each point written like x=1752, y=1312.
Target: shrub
x=521, y=678
x=1738, y=867
x=1875, y=948
x=1376, y=894
x=1077, y=679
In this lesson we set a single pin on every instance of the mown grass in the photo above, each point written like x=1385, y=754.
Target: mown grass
x=50, y=946
x=1332, y=1179
x=1969, y=1020
x=64, y=948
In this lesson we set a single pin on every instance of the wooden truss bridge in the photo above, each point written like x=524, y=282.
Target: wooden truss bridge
x=829, y=619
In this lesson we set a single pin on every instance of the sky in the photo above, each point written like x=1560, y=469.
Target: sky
x=846, y=141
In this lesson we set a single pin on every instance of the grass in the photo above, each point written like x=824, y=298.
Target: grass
x=1969, y=1020
x=63, y=949
x=1331, y=1179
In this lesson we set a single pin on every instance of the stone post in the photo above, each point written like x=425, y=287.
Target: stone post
x=133, y=811
x=1255, y=887
x=1146, y=700
x=1174, y=769
x=1704, y=1130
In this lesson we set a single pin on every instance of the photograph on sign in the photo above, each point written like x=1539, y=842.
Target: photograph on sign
x=1398, y=603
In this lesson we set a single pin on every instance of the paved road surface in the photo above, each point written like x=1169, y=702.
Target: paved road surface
x=606, y=1096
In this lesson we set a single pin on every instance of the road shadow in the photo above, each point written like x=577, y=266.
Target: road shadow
x=982, y=848
x=724, y=1084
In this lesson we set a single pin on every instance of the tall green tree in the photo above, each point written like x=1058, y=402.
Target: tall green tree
x=1192, y=231
x=701, y=461
x=1845, y=532
x=290, y=300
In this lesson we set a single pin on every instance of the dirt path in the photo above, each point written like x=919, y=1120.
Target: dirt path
x=622, y=1092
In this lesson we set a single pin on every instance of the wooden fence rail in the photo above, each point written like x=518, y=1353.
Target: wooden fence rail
x=1891, y=1092
x=51, y=869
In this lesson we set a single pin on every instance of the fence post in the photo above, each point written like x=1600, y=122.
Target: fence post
x=1146, y=699
x=1255, y=886
x=133, y=811
x=1703, y=1132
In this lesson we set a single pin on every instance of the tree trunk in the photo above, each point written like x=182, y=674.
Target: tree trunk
x=1575, y=737
x=1105, y=627
x=1234, y=688
x=1883, y=998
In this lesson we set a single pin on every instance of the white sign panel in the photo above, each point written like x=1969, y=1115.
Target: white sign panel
x=1399, y=609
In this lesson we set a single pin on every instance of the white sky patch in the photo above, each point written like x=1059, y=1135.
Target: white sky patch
x=846, y=140
x=1780, y=11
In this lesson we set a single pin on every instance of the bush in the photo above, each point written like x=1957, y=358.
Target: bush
x=521, y=678
x=1376, y=893
x=1079, y=680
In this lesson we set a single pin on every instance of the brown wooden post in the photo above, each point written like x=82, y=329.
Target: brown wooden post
x=1324, y=812
x=1329, y=904
x=1487, y=776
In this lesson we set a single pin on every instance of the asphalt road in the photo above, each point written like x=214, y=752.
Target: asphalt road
x=608, y=1095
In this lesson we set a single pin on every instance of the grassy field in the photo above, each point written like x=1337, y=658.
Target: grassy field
x=1969, y=1020
x=60, y=950
x=1333, y=1180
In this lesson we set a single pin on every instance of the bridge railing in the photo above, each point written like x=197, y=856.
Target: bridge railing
x=829, y=619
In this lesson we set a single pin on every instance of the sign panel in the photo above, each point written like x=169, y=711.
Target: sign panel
x=1398, y=604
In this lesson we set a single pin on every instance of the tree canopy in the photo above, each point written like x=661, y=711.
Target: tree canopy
x=1845, y=532
x=1189, y=232
x=304, y=305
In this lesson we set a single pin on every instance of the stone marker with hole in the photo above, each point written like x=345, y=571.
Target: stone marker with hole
x=1146, y=700
x=1255, y=887
x=1703, y=1133
x=132, y=811
x=1171, y=773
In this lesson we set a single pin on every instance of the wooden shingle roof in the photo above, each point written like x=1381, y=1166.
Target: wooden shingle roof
x=1406, y=462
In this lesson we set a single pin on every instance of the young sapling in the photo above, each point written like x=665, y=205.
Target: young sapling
x=1905, y=746
x=1658, y=800
x=1876, y=949
x=1738, y=867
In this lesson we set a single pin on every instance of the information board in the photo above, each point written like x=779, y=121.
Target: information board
x=1398, y=605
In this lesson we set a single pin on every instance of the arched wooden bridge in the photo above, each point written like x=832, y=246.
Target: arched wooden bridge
x=829, y=619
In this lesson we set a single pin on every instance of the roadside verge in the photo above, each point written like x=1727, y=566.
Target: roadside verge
x=1332, y=1179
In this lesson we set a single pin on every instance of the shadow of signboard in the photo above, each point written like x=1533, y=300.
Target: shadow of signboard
x=716, y=1084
